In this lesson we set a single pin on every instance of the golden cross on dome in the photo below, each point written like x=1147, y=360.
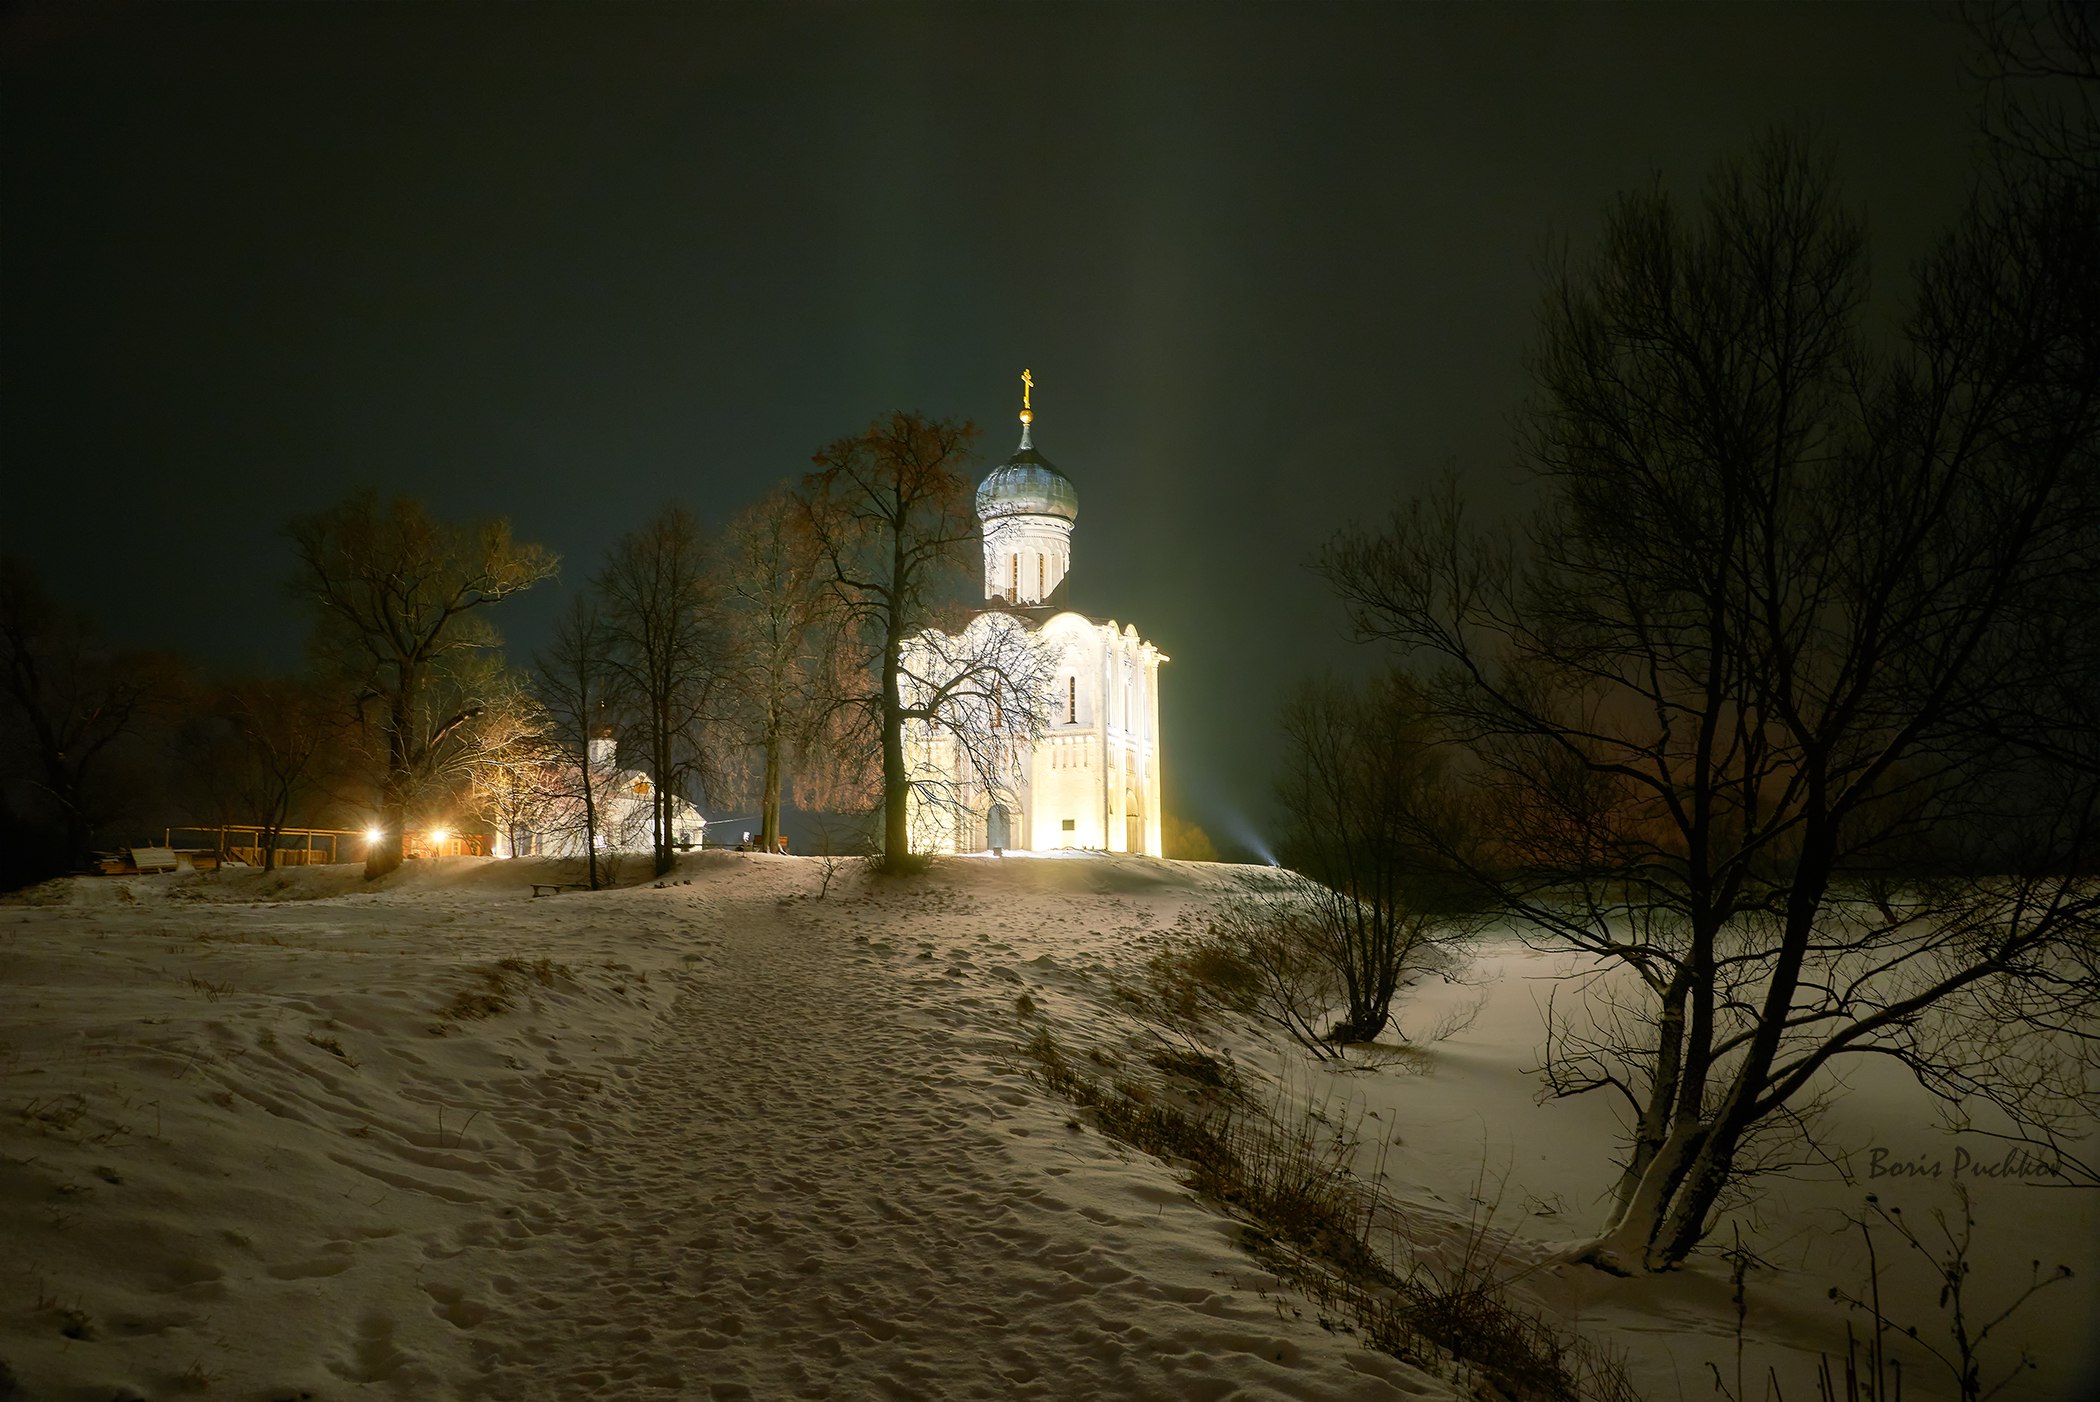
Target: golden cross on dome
x=1027, y=385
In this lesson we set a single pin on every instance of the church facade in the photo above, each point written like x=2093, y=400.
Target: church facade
x=1091, y=779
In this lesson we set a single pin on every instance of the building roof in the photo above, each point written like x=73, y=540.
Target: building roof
x=1027, y=484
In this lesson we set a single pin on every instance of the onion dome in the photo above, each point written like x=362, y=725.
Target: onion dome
x=1027, y=484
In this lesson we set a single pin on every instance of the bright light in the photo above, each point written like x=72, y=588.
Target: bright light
x=438, y=836
x=1240, y=828
x=373, y=836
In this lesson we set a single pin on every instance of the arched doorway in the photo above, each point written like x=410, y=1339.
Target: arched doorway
x=998, y=828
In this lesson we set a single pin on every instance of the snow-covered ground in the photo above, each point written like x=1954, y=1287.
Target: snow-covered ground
x=721, y=1138
x=1460, y=1138
x=732, y=1141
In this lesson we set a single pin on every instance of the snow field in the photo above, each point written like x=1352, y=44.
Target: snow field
x=727, y=1141
x=730, y=1140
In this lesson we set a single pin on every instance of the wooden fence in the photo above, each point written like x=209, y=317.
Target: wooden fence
x=311, y=846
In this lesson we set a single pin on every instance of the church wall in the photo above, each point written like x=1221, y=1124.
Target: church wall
x=1065, y=786
x=1097, y=764
x=1064, y=772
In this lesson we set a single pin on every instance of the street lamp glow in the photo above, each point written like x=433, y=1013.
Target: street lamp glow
x=438, y=836
x=372, y=836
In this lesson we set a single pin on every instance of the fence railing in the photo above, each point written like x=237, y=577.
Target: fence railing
x=295, y=846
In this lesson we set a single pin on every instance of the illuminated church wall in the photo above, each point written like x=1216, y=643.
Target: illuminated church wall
x=1093, y=779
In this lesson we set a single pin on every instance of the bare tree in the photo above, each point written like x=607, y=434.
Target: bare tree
x=2040, y=71
x=972, y=703
x=892, y=515
x=839, y=772
x=1362, y=777
x=399, y=602
x=67, y=705
x=264, y=751
x=666, y=648
x=517, y=776
x=575, y=681
x=1767, y=677
x=776, y=603
x=1260, y=957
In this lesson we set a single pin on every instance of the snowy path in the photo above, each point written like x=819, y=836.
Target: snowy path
x=809, y=1185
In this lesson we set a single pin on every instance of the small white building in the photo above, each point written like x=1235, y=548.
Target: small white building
x=1092, y=781
x=621, y=798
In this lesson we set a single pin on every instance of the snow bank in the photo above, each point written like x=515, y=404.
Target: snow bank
x=1455, y=1133
x=295, y=1135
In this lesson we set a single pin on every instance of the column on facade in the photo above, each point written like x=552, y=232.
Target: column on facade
x=1102, y=729
x=1155, y=785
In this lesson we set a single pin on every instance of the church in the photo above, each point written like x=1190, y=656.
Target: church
x=1091, y=780
x=552, y=824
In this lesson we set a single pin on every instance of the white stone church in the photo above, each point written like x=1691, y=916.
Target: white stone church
x=1092, y=781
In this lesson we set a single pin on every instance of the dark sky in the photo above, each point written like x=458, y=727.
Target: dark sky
x=1273, y=267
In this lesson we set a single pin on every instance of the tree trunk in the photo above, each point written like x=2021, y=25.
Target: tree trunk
x=590, y=814
x=277, y=815
x=590, y=821
x=661, y=836
x=896, y=780
x=1627, y=1246
x=79, y=851
x=659, y=793
x=1654, y=1124
x=1684, y=1225
x=1372, y=970
x=384, y=855
x=769, y=799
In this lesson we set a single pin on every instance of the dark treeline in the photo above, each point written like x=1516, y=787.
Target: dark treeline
x=743, y=669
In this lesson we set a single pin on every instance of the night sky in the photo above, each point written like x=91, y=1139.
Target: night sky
x=1273, y=267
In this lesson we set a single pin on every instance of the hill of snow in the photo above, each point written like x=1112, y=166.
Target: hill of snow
x=296, y=1136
